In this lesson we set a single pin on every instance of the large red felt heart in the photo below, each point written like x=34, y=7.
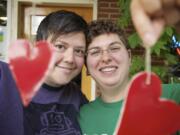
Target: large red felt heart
x=145, y=113
x=29, y=66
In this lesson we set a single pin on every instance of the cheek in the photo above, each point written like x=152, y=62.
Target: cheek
x=91, y=64
x=127, y=61
x=57, y=57
x=123, y=57
x=79, y=62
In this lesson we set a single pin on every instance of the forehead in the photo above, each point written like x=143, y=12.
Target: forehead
x=73, y=39
x=104, y=40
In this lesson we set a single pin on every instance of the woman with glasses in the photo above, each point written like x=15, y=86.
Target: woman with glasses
x=108, y=61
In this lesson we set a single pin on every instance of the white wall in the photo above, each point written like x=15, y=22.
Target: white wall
x=3, y=44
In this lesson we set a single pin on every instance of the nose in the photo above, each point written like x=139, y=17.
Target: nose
x=69, y=55
x=105, y=56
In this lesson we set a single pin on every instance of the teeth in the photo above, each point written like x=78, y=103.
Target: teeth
x=108, y=69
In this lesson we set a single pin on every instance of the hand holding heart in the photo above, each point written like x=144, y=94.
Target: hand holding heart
x=145, y=113
x=29, y=66
x=150, y=17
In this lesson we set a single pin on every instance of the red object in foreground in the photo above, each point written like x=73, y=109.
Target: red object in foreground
x=29, y=66
x=178, y=51
x=145, y=113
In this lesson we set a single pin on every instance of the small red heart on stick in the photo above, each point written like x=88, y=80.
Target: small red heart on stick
x=145, y=113
x=29, y=66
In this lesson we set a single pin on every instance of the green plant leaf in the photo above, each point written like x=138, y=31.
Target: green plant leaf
x=171, y=59
x=124, y=19
x=161, y=71
x=156, y=49
x=168, y=31
x=137, y=65
x=134, y=40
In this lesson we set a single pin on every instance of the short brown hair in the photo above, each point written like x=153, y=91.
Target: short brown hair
x=99, y=27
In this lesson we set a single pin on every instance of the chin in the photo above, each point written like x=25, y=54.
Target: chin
x=111, y=84
x=62, y=81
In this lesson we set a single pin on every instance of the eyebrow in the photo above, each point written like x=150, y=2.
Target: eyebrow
x=112, y=43
x=59, y=41
x=115, y=42
x=67, y=44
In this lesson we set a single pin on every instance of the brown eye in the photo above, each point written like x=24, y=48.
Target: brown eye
x=79, y=52
x=115, y=48
x=94, y=52
x=59, y=47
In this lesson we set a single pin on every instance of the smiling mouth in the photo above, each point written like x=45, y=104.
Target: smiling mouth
x=66, y=68
x=108, y=69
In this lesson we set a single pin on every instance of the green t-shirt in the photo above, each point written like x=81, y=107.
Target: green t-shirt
x=99, y=118
x=171, y=91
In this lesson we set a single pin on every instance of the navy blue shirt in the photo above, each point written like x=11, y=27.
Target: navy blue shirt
x=53, y=111
x=11, y=109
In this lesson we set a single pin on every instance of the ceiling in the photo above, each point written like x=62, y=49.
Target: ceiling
x=3, y=11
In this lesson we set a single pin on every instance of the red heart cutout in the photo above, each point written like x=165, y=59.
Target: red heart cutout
x=145, y=113
x=29, y=66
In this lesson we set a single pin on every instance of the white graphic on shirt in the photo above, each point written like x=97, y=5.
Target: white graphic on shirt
x=56, y=123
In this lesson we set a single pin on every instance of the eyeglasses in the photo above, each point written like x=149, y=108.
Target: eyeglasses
x=61, y=48
x=113, y=48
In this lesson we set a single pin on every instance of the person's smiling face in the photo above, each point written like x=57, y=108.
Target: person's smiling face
x=108, y=60
x=69, y=52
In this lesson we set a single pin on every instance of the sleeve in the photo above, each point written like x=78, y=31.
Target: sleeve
x=11, y=109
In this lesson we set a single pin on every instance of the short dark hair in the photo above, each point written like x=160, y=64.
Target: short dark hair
x=59, y=23
x=99, y=27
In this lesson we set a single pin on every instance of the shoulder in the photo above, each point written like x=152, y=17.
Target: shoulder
x=75, y=90
x=72, y=94
x=85, y=116
x=5, y=73
x=4, y=65
x=73, y=87
x=171, y=91
x=87, y=108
